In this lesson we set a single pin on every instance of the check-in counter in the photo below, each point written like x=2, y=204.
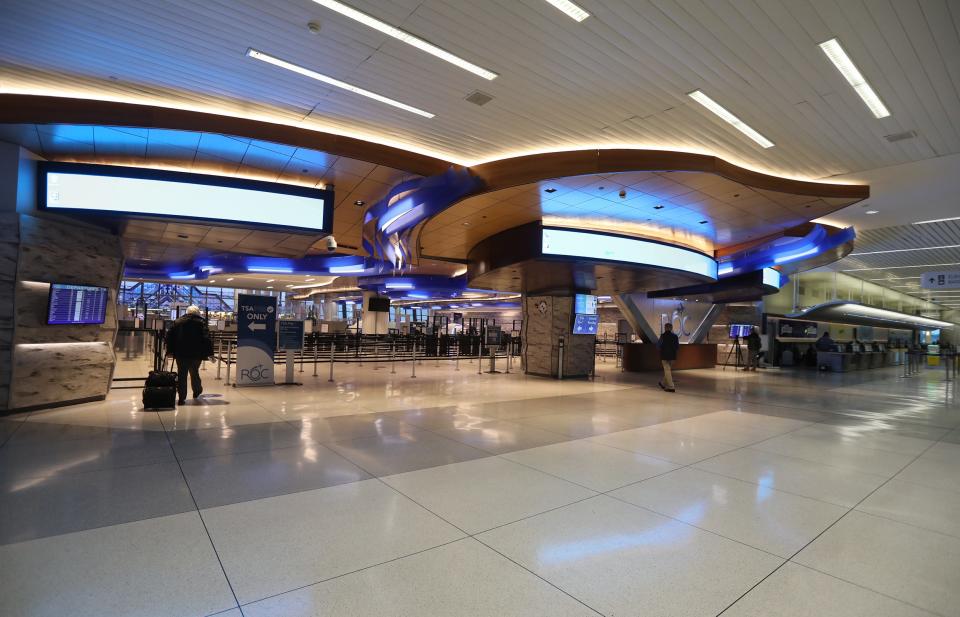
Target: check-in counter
x=639, y=357
x=842, y=362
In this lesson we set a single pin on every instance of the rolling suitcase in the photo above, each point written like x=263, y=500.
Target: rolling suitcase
x=160, y=389
x=160, y=397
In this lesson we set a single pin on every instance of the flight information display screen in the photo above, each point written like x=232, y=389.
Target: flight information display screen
x=585, y=304
x=77, y=304
x=585, y=324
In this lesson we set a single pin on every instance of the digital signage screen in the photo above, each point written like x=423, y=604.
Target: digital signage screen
x=585, y=304
x=76, y=304
x=740, y=330
x=150, y=193
x=585, y=324
x=378, y=304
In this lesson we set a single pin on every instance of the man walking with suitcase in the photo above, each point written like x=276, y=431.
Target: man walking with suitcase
x=188, y=340
x=669, y=345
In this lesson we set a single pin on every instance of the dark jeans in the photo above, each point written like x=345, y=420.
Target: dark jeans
x=192, y=366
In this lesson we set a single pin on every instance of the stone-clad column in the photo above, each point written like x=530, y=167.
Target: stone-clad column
x=45, y=365
x=545, y=320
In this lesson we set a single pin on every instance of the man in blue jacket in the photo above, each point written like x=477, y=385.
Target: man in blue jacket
x=669, y=344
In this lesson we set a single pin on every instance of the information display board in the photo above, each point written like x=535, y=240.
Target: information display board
x=585, y=324
x=290, y=334
x=256, y=339
x=585, y=304
x=76, y=304
x=493, y=335
x=940, y=280
x=740, y=330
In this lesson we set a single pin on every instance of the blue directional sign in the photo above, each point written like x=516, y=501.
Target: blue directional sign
x=256, y=339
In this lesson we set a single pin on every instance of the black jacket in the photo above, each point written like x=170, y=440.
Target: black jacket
x=753, y=342
x=669, y=344
x=189, y=337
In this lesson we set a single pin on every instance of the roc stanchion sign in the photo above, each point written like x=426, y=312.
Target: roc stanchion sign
x=256, y=339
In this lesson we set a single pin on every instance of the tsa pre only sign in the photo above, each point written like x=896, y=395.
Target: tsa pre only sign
x=256, y=339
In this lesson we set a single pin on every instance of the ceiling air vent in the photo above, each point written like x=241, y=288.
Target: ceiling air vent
x=900, y=136
x=479, y=98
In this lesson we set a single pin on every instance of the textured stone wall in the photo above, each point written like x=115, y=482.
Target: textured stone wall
x=56, y=364
x=9, y=252
x=541, y=338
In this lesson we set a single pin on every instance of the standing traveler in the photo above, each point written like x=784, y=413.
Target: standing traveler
x=188, y=340
x=669, y=344
x=753, y=350
x=825, y=343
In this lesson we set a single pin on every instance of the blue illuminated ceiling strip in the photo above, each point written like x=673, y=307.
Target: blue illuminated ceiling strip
x=635, y=251
x=816, y=242
x=203, y=267
x=409, y=204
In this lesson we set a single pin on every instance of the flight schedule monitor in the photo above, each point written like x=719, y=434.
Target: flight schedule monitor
x=77, y=304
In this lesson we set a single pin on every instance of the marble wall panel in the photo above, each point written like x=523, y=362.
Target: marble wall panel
x=52, y=373
x=31, y=318
x=9, y=253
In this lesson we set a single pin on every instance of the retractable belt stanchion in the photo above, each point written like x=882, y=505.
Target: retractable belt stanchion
x=331, y=362
x=229, y=345
x=479, y=359
x=413, y=365
x=393, y=357
x=560, y=364
x=219, y=355
x=316, y=347
x=456, y=359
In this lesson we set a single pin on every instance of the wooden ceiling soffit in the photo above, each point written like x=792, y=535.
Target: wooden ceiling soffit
x=33, y=109
x=506, y=173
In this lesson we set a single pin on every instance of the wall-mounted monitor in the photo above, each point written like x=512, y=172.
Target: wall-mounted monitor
x=740, y=330
x=585, y=324
x=150, y=193
x=585, y=304
x=76, y=304
x=378, y=304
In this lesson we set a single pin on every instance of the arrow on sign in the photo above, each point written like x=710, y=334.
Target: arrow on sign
x=257, y=326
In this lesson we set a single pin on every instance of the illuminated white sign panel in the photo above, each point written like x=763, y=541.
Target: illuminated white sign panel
x=771, y=277
x=571, y=243
x=171, y=194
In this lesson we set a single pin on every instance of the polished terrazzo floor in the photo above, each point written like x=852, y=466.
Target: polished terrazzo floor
x=455, y=494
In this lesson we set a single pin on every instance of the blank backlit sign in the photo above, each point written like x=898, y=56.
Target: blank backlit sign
x=100, y=189
x=635, y=251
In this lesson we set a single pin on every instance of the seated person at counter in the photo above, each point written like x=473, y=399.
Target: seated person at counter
x=825, y=343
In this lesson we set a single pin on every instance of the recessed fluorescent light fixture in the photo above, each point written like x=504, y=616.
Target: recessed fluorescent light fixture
x=872, y=212
x=922, y=248
x=852, y=74
x=405, y=37
x=956, y=263
x=726, y=116
x=570, y=9
x=952, y=218
x=259, y=55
